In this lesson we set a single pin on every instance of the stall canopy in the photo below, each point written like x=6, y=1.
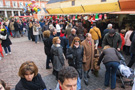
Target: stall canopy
x=87, y=6
x=127, y=5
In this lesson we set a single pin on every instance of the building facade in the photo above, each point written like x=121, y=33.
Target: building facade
x=14, y=7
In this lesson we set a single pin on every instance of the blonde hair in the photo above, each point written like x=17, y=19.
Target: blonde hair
x=73, y=42
x=106, y=47
x=55, y=40
x=46, y=33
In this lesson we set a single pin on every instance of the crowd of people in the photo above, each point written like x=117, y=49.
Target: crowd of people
x=78, y=42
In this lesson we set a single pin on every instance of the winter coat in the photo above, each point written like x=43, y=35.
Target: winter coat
x=127, y=38
x=75, y=58
x=47, y=46
x=123, y=40
x=71, y=38
x=80, y=33
x=114, y=41
x=58, y=57
x=132, y=47
x=12, y=26
x=95, y=32
x=88, y=54
x=58, y=28
x=16, y=25
x=109, y=55
x=105, y=31
x=68, y=32
x=35, y=30
x=64, y=43
x=7, y=42
x=45, y=27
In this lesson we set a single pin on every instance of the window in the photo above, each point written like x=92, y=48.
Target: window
x=1, y=3
x=103, y=0
x=73, y=3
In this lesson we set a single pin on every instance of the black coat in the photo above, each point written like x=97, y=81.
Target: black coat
x=132, y=47
x=47, y=46
x=45, y=27
x=64, y=43
x=71, y=38
x=21, y=85
x=16, y=25
x=7, y=42
x=75, y=58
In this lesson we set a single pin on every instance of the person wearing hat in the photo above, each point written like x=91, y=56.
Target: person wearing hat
x=112, y=39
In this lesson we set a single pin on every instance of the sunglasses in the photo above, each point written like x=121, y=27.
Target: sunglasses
x=77, y=41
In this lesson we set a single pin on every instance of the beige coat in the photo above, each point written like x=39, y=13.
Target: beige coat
x=88, y=55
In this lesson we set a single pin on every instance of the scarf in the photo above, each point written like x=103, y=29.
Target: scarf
x=76, y=46
x=36, y=84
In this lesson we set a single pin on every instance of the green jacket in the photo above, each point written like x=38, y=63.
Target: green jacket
x=114, y=41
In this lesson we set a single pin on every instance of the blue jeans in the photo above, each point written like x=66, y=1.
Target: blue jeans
x=47, y=61
x=5, y=49
x=13, y=33
x=36, y=38
x=111, y=69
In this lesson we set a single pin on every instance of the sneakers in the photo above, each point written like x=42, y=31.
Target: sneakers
x=6, y=54
x=9, y=52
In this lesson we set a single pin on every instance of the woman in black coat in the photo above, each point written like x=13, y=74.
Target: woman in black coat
x=75, y=55
x=30, y=78
x=5, y=42
x=47, y=47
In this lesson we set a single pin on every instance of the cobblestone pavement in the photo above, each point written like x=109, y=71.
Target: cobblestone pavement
x=23, y=50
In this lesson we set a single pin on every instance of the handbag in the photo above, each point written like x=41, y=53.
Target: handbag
x=3, y=37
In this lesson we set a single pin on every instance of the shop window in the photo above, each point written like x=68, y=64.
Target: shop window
x=103, y=0
x=73, y=3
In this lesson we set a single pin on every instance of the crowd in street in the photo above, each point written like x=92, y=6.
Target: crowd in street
x=78, y=41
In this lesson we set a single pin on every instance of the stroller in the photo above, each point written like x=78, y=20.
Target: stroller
x=121, y=75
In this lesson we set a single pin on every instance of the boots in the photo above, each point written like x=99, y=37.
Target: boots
x=85, y=78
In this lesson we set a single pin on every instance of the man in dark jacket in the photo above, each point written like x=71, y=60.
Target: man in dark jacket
x=72, y=35
x=112, y=39
x=132, y=50
x=45, y=27
x=16, y=25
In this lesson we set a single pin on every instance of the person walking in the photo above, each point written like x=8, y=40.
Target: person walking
x=88, y=56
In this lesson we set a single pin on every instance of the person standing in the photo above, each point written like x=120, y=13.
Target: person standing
x=16, y=25
x=58, y=56
x=58, y=28
x=12, y=28
x=36, y=32
x=47, y=47
x=96, y=35
x=30, y=79
x=132, y=51
x=6, y=41
x=88, y=56
x=127, y=41
x=72, y=36
x=75, y=55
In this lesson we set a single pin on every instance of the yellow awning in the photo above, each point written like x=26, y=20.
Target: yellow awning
x=102, y=8
x=55, y=11
x=97, y=8
x=76, y=9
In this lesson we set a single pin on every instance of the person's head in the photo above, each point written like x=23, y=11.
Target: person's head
x=94, y=24
x=28, y=70
x=73, y=31
x=46, y=23
x=88, y=36
x=109, y=26
x=112, y=32
x=54, y=32
x=46, y=34
x=76, y=23
x=67, y=78
x=80, y=24
x=56, y=40
x=3, y=85
x=76, y=41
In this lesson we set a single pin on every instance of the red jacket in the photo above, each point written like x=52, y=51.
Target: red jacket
x=123, y=40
